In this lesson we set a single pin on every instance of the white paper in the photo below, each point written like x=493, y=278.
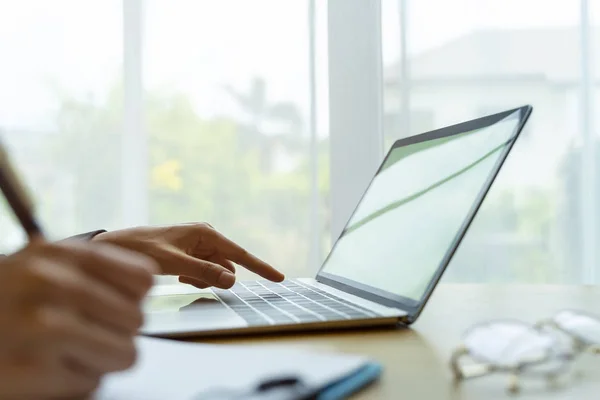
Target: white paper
x=168, y=369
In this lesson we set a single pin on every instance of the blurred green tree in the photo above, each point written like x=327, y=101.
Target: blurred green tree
x=88, y=148
x=267, y=126
x=200, y=170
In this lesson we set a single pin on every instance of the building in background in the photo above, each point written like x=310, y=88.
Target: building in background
x=531, y=215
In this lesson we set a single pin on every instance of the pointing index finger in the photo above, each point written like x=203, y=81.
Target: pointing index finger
x=241, y=256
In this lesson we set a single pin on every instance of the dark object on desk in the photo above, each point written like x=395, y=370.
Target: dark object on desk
x=284, y=388
x=293, y=388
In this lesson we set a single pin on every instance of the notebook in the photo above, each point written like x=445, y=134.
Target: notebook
x=168, y=369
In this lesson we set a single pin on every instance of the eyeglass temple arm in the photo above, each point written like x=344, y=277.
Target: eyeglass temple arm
x=456, y=356
x=594, y=349
x=467, y=372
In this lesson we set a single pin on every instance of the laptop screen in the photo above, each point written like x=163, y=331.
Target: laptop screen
x=408, y=221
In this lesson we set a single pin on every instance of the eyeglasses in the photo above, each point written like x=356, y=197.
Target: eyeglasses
x=546, y=349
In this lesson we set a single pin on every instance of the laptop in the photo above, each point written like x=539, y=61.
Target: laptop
x=390, y=256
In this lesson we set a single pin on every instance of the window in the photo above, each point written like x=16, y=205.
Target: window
x=462, y=65
x=60, y=77
x=227, y=115
x=421, y=121
x=157, y=112
x=269, y=118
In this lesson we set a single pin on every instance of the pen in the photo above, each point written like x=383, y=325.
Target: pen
x=278, y=388
x=16, y=196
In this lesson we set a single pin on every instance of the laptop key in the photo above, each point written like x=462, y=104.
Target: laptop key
x=262, y=301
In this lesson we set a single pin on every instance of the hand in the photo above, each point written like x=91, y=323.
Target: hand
x=199, y=254
x=68, y=314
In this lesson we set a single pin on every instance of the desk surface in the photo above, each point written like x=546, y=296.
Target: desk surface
x=416, y=359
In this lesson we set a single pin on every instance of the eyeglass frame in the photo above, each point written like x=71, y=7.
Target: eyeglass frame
x=580, y=346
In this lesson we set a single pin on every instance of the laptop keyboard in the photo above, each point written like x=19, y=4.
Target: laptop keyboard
x=288, y=302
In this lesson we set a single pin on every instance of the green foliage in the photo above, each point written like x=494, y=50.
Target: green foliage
x=536, y=216
x=260, y=116
x=223, y=171
x=510, y=240
x=87, y=147
x=200, y=170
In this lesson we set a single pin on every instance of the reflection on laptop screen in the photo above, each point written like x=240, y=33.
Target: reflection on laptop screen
x=414, y=209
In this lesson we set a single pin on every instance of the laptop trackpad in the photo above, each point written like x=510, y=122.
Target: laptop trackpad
x=205, y=301
x=187, y=312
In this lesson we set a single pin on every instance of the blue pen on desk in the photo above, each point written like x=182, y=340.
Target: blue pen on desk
x=292, y=388
x=283, y=388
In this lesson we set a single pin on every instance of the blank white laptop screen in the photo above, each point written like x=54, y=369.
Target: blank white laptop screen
x=414, y=209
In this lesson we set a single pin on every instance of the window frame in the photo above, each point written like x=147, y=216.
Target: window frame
x=355, y=103
x=134, y=145
x=589, y=198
